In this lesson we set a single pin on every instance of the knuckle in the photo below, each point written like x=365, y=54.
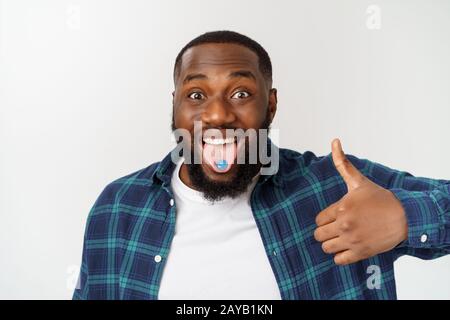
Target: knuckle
x=364, y=251
x=354, y=239
x=346, y=225
x=342, y=210
x=345, y=160
x=345, y=204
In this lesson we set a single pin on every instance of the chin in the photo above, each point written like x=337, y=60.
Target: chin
x=219, y=177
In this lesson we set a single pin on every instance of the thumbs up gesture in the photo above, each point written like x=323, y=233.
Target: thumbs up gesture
x=367, y=221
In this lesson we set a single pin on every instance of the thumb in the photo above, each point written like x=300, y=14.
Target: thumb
x=352, y=177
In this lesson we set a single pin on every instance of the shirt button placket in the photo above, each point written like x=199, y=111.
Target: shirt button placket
x=423, y=238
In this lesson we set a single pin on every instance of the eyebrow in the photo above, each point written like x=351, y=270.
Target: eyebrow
x=194, y=76
x=235, y=74
x=242, y=74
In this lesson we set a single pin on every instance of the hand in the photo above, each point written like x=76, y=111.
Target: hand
x=367, y=221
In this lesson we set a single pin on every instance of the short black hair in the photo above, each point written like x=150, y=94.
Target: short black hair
x=226, y=36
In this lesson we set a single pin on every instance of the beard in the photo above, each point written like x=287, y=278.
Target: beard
x=237, y=184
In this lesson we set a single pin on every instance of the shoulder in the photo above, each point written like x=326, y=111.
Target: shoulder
x=126, y=193
x=132, y=181
x=303, y=163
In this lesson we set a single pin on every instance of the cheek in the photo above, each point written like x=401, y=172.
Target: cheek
x=252, y=116
x=185, y=116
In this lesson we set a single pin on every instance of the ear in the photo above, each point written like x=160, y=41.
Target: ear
x=273, y=100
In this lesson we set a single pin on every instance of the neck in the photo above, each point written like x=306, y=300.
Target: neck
x=184, y=176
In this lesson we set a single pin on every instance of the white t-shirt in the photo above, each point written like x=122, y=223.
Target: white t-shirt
x=217, y=251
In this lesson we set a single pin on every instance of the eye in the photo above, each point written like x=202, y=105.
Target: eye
x=241, y=95
x=196, y=95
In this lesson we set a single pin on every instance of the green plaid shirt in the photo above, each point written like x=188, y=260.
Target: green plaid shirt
x=132, y=223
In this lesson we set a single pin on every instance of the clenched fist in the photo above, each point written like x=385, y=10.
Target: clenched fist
x=367, y=221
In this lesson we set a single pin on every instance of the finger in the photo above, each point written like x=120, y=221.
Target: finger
x=346, y=257
x=334, y=245
x=327, y=215
x=326, y=232
x=352, y=177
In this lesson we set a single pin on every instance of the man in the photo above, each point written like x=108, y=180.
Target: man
x=312, y=227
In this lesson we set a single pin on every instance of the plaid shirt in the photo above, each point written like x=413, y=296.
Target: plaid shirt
x=132, y=223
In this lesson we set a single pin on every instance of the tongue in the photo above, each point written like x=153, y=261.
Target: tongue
x=220, y=157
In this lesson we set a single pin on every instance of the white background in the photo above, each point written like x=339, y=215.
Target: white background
x=86, y=98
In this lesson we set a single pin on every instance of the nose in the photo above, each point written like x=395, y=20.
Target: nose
x=218, y=113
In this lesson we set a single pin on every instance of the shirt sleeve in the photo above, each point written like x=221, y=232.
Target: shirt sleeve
x=81, y=291
x=426, y=203
x=94, y=224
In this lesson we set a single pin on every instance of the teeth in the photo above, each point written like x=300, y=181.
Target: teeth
x=218, y=141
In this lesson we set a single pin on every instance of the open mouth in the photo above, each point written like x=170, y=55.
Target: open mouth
x=219, y=154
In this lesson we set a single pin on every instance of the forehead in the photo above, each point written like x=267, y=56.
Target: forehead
x=218, y=57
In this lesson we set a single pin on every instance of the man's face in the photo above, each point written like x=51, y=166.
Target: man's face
x=222, y=87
